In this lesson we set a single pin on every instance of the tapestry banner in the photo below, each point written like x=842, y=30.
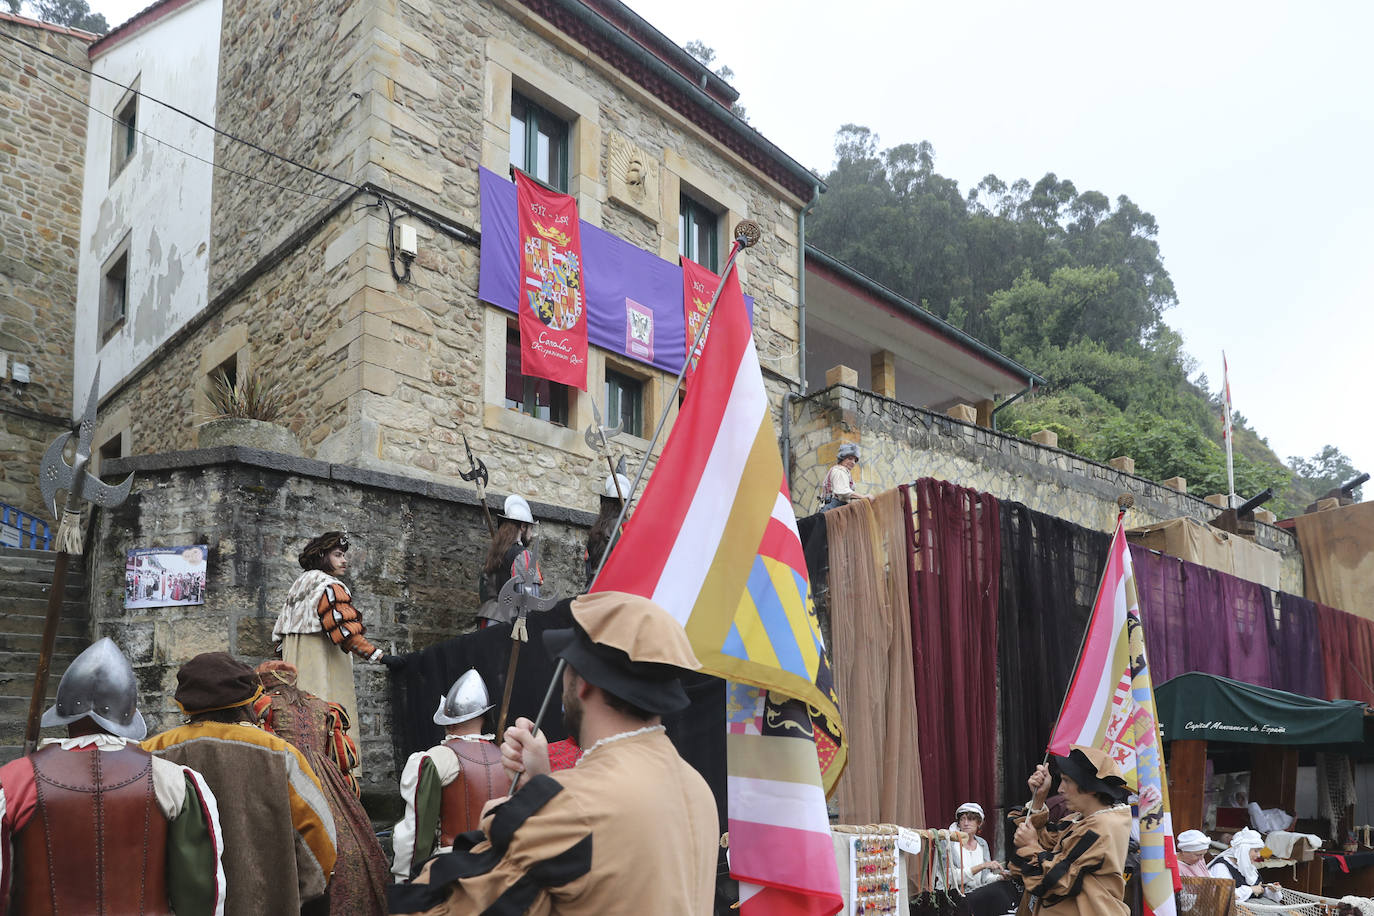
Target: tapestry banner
x=553, y=313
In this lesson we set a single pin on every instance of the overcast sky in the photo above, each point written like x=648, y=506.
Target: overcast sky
x=1245, y=129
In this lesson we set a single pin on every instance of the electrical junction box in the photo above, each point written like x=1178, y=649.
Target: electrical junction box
x=406, y=242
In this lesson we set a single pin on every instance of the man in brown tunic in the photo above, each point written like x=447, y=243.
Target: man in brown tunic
x=631, y=828
x=1075, y=867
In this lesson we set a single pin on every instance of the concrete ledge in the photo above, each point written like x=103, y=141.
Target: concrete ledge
x=323, y=470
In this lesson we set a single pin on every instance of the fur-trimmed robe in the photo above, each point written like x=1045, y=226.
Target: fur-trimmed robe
x=1076, y=866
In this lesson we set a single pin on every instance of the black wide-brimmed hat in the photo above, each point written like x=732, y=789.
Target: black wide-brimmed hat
x=1094, y=771
x=629, y=647
x=310, y=556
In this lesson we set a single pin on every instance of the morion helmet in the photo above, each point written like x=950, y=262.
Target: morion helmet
x=100, y=684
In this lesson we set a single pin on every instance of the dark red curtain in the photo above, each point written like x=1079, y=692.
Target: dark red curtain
x=954, y=592
x=1348, y=659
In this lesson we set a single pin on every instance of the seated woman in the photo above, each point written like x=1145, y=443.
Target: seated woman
x=1192, y=850
x=1238, y=864
x=969, y=864
x=1075, y=867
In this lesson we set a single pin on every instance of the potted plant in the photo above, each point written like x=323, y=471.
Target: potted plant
x=243, y=411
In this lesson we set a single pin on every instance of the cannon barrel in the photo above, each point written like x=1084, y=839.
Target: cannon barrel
x=1254, y=502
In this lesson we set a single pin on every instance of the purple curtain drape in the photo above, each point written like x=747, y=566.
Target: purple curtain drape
x=1199, y=619
x=954, y=593
x=1295, y=659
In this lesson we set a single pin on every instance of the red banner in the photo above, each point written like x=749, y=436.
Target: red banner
x=553, y=308
x=698, y=286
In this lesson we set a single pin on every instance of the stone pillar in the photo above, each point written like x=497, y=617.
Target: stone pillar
x=841, y=375
x=1046, y=437
x=985, y=408
x=964, y=413
x=1177, y=483
x=884, y=368
x=1216, y=499
x=1124, y=464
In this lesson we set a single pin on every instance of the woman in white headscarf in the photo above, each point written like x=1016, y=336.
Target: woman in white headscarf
x=1238, y=864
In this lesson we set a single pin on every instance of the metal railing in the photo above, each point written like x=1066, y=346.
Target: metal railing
x=20, y=529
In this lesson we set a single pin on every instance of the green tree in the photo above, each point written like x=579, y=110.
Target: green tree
x=707, y=55
x=75, y=14
x=1328, y=469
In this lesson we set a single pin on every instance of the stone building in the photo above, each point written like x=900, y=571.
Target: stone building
x=390, y=111
x=42, y=148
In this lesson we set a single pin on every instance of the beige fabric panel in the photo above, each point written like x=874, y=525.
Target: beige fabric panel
x=1338, y=557
x=1200, y=543
x=870, y=619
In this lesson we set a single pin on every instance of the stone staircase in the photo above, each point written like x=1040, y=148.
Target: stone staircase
x=25, y=578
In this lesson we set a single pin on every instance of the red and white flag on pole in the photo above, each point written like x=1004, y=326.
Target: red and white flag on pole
x=1111, y=706
x=551, y=302
x=1225, y=399
x=714, y=541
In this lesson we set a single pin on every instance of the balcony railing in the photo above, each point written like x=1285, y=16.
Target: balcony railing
x=20, y=529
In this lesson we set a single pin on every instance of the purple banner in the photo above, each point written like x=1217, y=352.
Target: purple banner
x=634, y=298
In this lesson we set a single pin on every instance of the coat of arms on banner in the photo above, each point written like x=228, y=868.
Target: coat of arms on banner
x=553, y=320
x=639, y=330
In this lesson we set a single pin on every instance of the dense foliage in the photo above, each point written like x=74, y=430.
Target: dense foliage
x=1071, y=285
x=74, y=13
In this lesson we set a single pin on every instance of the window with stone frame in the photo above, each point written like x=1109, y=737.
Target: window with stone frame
x=625, y=401
x=114, y=292
x=124, y=139
x=539, y=142
x=535, y=397
x=698, y=233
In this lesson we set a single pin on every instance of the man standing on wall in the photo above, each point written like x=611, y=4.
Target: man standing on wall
x=838, y=488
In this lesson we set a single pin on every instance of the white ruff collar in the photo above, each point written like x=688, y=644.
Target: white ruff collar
x=610, y=739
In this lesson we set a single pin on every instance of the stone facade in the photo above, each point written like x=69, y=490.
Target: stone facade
x=390, y=375
x=416, y=554
x=901, y=443
x=42, y=149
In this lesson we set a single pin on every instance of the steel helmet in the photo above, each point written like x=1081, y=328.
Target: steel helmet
x=609, y=488
x=466, y=699
x=517, y=510
x=100, y=684
x=849, y=450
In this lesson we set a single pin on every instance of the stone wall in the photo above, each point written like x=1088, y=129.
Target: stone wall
x=42, y=143
x=901, y=443
x=416, y=551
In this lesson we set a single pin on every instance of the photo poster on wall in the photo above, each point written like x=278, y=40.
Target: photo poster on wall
x=165, y=576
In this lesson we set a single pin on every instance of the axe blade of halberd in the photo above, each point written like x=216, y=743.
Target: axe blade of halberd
x=598, y=436
x=55, y=474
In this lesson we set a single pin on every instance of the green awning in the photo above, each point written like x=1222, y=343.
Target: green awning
x=1212, y=708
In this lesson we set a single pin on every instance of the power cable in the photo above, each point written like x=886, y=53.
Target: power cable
x=434, y=221
x=80, y=101
x=186, y=114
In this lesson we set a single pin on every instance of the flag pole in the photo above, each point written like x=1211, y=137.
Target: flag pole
x=1123, y=502
x=747, y=235
x=1227, y=432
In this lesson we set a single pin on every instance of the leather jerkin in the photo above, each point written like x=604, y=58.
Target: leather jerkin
x=480, y=779
x=97, y=842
